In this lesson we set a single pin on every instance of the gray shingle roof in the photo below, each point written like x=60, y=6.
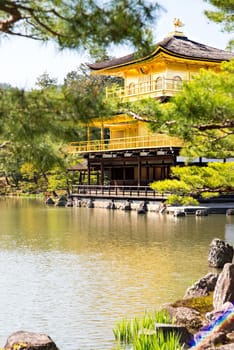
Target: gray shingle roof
x=179, y=46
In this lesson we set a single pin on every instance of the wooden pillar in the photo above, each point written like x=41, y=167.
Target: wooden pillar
x=154, y=172
x=139, y=172
x=88, y=172
x=102, y=173
x=163, y=172
x=88, y=136
x=147, y=172
x=102, y=135
x=124, y=173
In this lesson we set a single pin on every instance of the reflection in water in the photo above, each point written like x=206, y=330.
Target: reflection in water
x=229, y=231
x=73, y=272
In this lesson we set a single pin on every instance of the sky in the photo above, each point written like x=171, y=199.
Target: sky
x=23, y=60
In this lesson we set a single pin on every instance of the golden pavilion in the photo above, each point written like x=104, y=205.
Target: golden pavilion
x=133, y=155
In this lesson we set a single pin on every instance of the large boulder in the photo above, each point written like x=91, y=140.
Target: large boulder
x=224, y=289
x=220, y=253
x=202, y=287
x=186, y=316
x=29, y=341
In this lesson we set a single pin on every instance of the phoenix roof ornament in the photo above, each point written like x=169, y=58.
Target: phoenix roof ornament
x=177, y=23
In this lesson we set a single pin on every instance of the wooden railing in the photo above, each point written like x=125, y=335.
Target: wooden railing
x=166, y=87
x=127, y=143
x=128, y=192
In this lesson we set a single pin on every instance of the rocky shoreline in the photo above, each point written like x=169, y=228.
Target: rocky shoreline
x=207, y=309
x=203, y=319
x=142, y=207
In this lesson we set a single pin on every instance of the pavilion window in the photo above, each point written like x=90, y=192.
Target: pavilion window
x=132, y=89
x=158, y=83
x=117, y=174
x=177, y=83
x=129, y=173
x=144, y=83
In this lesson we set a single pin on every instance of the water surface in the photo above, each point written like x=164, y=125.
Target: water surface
x=72, y=273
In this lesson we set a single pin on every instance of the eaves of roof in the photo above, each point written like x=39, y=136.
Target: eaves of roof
x=175, y=46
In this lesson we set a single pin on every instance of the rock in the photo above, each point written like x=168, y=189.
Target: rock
x=61, y=202
x=186, y=338
x=230, y=337
x=224, y=289
x=201, y=212
x=202, y=287
x=208, y=340
x=226, y=347
x=29, y=341
x=111, y=205
x=179, y=213
x=187, y=317
x=161, y=208
x=90, y=204
x=142, y=208
x=220, y=253
x=230, y=212
x=49, y=201
x=62, y=198
x=225, y=321
x=213, y=315
x=69, y=203
x=77, y=203
x=127, y=206
x=216, y=332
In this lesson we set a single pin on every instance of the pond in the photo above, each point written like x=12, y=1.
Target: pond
x=72, y=273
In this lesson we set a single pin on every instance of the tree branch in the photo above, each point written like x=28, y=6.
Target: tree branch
x=4, y=144
x=226, y=124
x=15, y=12
x=138, y=117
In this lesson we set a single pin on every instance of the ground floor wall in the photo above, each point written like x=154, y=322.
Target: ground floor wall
x=130, y=170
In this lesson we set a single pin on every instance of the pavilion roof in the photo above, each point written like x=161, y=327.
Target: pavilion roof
x=174, y=45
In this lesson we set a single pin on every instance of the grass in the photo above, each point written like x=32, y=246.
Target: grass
x=141, y=334
x=127, y=330
x=158, y=341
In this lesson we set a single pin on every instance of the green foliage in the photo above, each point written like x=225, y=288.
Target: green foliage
x=57, y=180
x=175, y=199
x=202, y=114
x=207, y=195
x=45, y=81
x=158, y=341
x=222, y=13
x=84, y=95
x=145, y=109
x=28, y=171
x=196, y=181
x=79, y=24
x=127, y=331
x=38, y=124
x=171, y=186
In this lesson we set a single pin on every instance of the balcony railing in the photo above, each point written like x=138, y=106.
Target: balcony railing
x=164, y=87
x=127, y=143
x=128, y=192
